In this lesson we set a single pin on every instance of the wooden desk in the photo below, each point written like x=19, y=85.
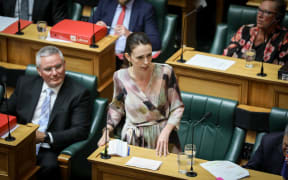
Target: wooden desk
x=115, y=168
x=18, y=158
x=80, y=58
x=236, y=83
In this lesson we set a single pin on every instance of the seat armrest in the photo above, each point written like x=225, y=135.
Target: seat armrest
x=219, y=41
x=236, y=145
x=168, y=38
x=257, y=143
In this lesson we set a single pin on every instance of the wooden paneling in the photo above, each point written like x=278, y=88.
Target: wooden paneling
x=236, y=83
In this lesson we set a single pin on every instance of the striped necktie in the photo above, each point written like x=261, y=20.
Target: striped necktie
x=24, y=9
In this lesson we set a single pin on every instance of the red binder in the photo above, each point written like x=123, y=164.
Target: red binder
x=77, y=31
x=4, y=123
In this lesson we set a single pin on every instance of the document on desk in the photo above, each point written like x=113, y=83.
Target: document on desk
x=225, y=169
x=144, y=163
x=210, y=62
x=6, y=21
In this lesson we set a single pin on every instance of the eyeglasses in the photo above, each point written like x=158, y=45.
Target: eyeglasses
x=56, y=67
x=265, y=12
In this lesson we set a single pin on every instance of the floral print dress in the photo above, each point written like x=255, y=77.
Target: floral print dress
x=274, y=51
x=146, y=113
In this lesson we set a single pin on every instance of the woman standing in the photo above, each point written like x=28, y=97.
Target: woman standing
x=147, y=95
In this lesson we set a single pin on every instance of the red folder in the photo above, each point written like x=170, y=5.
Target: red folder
x=77, y=31
x=13, y=28
x=4, y=123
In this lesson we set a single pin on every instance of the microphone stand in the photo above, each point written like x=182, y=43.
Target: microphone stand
x=181, y=60
x=93, y=45
x=19, y=32
x=9, y=137
x=192, y=173
x=262, y=74
x=105, y=155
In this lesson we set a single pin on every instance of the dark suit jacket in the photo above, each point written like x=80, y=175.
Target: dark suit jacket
x=51, y=11
x=142, y=18
x=269, y=156
x=70, y=117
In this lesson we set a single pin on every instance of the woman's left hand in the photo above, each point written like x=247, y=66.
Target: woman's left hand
x=163, y=140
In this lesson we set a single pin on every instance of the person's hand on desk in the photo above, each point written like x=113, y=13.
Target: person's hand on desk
x=40, y=136
x=163, y=140
x=101, y=23
x=103, y=140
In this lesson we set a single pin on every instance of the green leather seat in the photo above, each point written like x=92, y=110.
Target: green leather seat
x=1, y=92
x=78, y=166
x=278, y=119
x=216, y=138
x=236, y=17
x=167, y=28
x=74, y=10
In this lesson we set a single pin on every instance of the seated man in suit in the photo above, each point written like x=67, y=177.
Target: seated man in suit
x=267, y=37
x=125, y=16
x=271, y=153
x=60, y=106
x=51, y=11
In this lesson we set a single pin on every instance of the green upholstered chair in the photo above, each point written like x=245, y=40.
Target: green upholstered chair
x=278, y=119
x=73, y=159
x=74, y=10
x=216, y=138
x=167, y=28
x=236, y=17
x=1, y=93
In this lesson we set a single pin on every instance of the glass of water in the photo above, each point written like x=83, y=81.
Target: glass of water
x=183, y=162
x=250, y=57
x=190, y=150
x=42, y=29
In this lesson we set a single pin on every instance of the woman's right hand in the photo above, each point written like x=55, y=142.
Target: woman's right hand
x=103, y=140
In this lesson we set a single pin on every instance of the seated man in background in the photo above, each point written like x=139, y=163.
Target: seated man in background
x=125, y=16
x=59, y=105
x=267, y=37
x=271, y=153
x=51, y=11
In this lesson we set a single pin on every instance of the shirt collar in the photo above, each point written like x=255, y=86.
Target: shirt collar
x=54, y=89
x=128, y=5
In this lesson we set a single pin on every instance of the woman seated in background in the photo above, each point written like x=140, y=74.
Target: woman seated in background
x=267, y=37
x=148, y=96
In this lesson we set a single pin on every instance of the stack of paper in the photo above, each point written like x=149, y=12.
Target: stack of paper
x=144, y=163
x=225, y=169
x=118, y=147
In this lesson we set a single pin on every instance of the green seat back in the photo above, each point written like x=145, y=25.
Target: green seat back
x=1, y=92
x=74, y=10
x=278, y=119
x=88, y=81
x=160, y=7
x=213, y=136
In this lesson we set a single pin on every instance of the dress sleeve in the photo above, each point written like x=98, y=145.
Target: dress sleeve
x=175, y=101
x=234, y=44
x=283, y=53
x=116, y=107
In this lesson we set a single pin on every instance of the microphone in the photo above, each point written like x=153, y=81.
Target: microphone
x=19, y=32
x=192, y=173
x=105, y=155
x=93, y=44
x=199, y=8
x=262, y=74
x=3, y=81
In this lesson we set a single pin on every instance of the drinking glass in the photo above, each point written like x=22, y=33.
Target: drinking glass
x=183, y=162
x=42, y=29
x=250, y=57
x=188, y=149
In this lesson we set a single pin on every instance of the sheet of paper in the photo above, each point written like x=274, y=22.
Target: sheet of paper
x=210, y=62
x=11, y=130
x=6, y=21
x=144, y=163
x=225, y=169
x=49, y=38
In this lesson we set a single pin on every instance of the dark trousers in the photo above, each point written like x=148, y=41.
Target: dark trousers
x=49, y=168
